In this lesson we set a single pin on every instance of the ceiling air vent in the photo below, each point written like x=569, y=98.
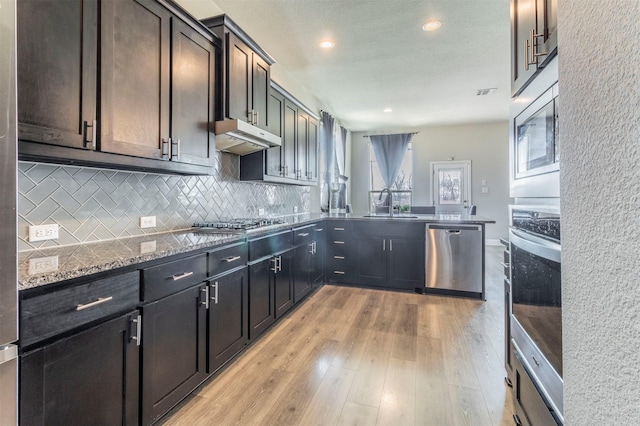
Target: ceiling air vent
x=484, y=92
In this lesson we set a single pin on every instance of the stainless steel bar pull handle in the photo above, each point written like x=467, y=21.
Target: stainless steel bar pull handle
x=181, y=276
x=280, y=263
x=100, y=301
x=384, y=245
x=338, y=229
x=390, y=245
x=504, y=265
x=338, y=257
x=453, y=231
x=338, y=272
x=319, y=229
x=215, y=293
x=138, y=337
x=231, y=259
x=205, y=300
x=339, y=242
x=275, y=265
x=303, y=234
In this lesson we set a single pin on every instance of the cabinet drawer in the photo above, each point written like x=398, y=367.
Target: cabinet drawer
x=267, y=246
x=338, y=258
x=339, y=274
x=390, y=229
x=335, y=228
x=162, y=280
x=227, y=258
x=47, y=315
x=303, y=235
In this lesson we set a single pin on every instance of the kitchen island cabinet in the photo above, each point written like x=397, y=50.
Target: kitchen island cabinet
x=150, y=114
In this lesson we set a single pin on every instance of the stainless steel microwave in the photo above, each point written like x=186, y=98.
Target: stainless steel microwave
x=534, y=140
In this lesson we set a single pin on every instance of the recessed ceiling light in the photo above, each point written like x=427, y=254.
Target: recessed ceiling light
x=327, y=44
x=387, y=110
x=431, y=25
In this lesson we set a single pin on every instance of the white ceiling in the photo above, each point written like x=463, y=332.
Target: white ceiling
x=383, y=59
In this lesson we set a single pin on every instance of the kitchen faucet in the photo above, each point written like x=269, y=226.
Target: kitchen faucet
x=390, y=198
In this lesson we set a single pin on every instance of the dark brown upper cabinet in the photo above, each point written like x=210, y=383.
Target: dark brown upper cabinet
x=247, y=75
x=534, y=39
x=135, y=92
x=57, y=45
x=295, y=161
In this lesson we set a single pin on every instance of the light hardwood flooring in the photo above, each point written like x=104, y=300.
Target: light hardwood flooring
x=353, y=356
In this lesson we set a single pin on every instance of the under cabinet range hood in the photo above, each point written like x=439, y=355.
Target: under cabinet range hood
x=239, y=137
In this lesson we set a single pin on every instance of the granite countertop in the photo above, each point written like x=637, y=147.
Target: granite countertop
x=46, y=266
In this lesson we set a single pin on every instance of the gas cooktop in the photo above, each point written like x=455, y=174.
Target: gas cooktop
x=237, y=226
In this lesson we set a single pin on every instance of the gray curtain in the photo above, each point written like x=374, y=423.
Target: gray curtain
x=328, y=158
x=389, y=151
x=341, y=154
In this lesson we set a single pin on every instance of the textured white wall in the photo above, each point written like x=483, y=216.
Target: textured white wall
x=485, y=144
x=599, y=75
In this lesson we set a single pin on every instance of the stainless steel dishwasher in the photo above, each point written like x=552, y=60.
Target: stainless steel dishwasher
x=454, y=260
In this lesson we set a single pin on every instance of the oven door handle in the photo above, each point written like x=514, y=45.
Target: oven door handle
x=538, y=246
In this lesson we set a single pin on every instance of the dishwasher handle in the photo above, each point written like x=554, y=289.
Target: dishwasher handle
x=454, y=229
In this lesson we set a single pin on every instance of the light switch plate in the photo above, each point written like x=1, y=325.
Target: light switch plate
x=147, y=222
x=260, y=212
x=295, y=209
x=484, y=182
x=43, y=232
x=147, y=247
x=485, y=190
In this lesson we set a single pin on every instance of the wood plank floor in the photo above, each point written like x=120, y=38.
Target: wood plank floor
x=353, y=356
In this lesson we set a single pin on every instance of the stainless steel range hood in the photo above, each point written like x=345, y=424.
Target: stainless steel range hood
x=240, y=137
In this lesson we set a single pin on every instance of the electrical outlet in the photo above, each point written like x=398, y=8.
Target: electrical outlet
x=43, y=232
x=260, y=212
x=43, y=265
x=485, y=190
x=295, y=209
x=147, y=222
x=484, y=182
x=147, y=247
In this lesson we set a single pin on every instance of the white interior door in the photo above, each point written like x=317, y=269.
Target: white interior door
x=451, y=186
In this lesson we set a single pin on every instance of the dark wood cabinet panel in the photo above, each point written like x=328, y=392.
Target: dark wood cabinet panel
x=301, y=145
x=319, y=237
x=312, y=150
x=88, y=378
x=261, y=297
x=174, y=350
x=274, y=158
x=260, y=91
x=228, y=317
x=192, y=96
x=303, y=269
x=57, y=71
x=283, y=283
x=239, y=75
x=534, y=39
x=290, y=130
x=135, y=54
x=371, y=261
x=406, y=260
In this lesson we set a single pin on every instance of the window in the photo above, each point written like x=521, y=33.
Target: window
x=402, y=187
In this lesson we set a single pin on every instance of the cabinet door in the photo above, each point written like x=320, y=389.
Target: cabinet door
x=88, y=378
x=284, y=293
x=547, y=24
x=405, y=263
x=523, y=20
x=57, y=45
x=371, y=261
x=303, y=269
x=239, y=75
x=134, y=92
x=261, y=297
x=192, y=96
x=174, y=350
x=290, y=123
x=312, y=150
x=228, y=326
x=274, y=160
x=260, y=91
x=301, y=146
x=319, y=255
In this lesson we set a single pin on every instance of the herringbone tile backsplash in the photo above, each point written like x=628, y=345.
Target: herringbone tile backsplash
x=97, y=204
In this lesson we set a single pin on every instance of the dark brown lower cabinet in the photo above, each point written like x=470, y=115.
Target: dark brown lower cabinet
x=270, y=291
x=303, y=256
x=174, y=332
x=228, y=317
x=88, y=378
x=405, y=263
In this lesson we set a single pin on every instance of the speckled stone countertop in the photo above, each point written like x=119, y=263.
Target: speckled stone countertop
x=46, y=266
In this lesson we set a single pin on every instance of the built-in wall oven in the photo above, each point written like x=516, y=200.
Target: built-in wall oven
x=536, y=318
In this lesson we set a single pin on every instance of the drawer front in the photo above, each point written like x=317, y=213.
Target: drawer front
x=49, y=314
x=170, y=277
x=267, y=246
x=338, y=229
x=339, y=274
x=339, y=246
x=303, y=236
x=227, y=258
x=339, y=258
